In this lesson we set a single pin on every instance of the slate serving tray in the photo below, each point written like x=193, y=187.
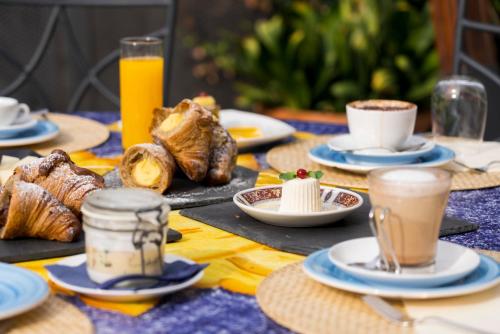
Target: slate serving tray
x=18, y=250
x=186, y=194
x=300, y=240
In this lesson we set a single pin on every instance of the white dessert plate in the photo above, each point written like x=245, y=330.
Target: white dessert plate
x=262, y=203
x=270, y=128
x=345, y=144
x=43, y=131
x=14, y=129
x=452, y=263
x=319, y=267
x=123, y=295
x=323, y=155
x=20, y=290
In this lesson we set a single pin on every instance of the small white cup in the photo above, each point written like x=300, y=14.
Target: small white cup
x=11, y=111
x=381, y=123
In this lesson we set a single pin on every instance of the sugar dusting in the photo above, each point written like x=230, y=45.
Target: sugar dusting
x=56, y=174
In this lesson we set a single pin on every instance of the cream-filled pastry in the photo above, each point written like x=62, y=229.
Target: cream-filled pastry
x=209, y=103
x=147, y=166
x=186, y=132
x=301, y=194
x=146, y=172
x=172, y=121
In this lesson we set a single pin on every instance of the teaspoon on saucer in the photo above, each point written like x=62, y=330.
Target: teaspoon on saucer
x=373, y=264
x=406, y=149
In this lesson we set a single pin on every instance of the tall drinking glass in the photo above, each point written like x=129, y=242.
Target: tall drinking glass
x=459, y=108
x=141, y=86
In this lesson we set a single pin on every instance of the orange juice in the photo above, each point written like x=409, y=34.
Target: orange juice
x=141, y=90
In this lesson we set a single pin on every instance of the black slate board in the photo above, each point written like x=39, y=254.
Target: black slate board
x=18, y=153
x=186, y=194
x=18, y=250
x=300, y=240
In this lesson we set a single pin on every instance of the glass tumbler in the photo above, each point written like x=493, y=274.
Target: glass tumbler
x=459, y=108
x=141, y=87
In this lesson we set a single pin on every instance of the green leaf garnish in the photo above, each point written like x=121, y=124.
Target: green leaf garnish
x=288, y=176
x=315, y=174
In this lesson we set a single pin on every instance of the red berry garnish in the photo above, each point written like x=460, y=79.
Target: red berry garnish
x=301, y=173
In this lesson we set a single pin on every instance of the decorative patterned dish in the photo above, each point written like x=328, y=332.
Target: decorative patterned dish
x=262, y=203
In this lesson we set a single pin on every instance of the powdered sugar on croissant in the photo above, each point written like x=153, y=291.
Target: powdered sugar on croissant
x=57, y=174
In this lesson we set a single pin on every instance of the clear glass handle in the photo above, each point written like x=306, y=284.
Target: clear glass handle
x=377, y=225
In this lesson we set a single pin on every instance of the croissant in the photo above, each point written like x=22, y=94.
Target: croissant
x=222, y=158
x=57, y=174
x=186, y=132
x=147, y=166
x=28, y=210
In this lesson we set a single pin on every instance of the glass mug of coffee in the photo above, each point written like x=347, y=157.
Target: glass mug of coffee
x=408, y=205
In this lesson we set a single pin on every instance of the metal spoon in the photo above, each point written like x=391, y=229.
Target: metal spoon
x=373, y=264
x=391, y=313
x=482, y=169
x=406, y=149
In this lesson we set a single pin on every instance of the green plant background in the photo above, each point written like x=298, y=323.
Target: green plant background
x=322, y=54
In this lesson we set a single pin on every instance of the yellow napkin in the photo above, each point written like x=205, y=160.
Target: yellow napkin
x=478, y=310
x=473, y=153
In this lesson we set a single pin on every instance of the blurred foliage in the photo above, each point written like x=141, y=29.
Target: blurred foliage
x=321, y=54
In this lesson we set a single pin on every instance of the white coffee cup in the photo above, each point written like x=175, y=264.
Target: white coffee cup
x=11, y=111
x=381, y=123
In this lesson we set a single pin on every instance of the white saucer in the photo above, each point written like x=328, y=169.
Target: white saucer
x=323, y=155
x=272, y=129
x=345, y=144
x=452, y=263
x=42, y=131
x=9, y=131
x=319, y=267
x=123, y=295
x=262, y=203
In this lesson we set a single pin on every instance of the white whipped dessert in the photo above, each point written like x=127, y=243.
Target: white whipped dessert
x=300, y=196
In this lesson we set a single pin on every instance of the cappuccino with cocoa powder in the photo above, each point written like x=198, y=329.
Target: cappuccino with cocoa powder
x=381, y=123
x=382, y=105
x=416, y=200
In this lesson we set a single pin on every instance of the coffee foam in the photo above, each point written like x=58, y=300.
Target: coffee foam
x=409, y=175
x=410, y=183
x=382, y=105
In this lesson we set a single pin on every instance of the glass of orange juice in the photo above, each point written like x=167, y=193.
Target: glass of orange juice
x=141, y=87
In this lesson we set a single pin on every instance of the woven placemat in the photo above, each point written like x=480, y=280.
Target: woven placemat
x=77, y=134
x=53, y=316
x=297, y=302
x=293, y=156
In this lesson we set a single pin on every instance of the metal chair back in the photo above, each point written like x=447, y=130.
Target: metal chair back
x=464, y=64
x=58, y=16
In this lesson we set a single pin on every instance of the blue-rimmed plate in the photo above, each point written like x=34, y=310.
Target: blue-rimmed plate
x=43, y=131
x=323, y=155
x=20, y=290
x=452, y=262
x=319, y=267
x=15, y=129
x=124, y=295
x=379, y=156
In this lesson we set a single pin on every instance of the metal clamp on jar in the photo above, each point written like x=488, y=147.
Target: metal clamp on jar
x=125, y=231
